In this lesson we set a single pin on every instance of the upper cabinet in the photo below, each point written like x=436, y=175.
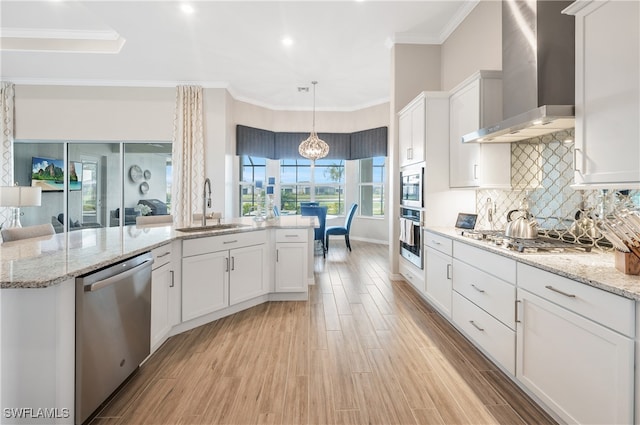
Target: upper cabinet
x=476, y=103
x=607, y=145
x=411, y=132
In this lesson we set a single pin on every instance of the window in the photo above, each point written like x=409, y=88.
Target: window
x=252, y=169
x=372, y=186
x=298, y=179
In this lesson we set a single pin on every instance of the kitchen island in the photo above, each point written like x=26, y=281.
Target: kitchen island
x=37, y=299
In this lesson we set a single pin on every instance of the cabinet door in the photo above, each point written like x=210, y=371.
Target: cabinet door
x=607, y=145
x=418, y=132
x=161, y=281
x=438, y=273
x=246, y=279
x=404, y=138
x=204, y=284
x=291, y=267
x=464, y=117
x=582, y=370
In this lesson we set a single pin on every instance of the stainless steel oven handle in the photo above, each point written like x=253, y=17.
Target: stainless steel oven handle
x=118, y=277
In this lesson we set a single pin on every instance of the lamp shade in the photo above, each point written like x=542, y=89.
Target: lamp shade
x=20, y=196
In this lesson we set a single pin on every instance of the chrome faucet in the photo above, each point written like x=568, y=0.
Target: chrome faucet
x=206, y=200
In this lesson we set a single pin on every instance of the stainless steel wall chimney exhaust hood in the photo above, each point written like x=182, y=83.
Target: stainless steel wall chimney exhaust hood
x=538, y=72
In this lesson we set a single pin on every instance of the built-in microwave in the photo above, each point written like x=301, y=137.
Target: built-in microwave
x=411, y=187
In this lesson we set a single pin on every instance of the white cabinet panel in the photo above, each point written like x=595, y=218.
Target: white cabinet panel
x=205, y=283
x=246, y=277
x=291, y=267
x=411, y=132
x=607, y=145
x=161, y=283
x=438, y=280
x=582, y=370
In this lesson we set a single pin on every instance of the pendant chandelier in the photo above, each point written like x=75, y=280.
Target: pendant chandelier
x=313, y=147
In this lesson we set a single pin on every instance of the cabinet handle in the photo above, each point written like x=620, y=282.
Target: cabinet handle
x=164, y=255
x=172, y=284
x=233, y=241
x=409, y=153
x=277, y=255
x=435, y=242
x=475, y=171
x=290, y=236
x=449, y=271
x=476, y=288
x=226, y=261
x=476, y=326
x=575, y=160
x=551, y=288
x=233, y=263
x=516, y=315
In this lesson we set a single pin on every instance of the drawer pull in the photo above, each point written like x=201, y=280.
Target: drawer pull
x=551, y=288
x=165, y=254
x=449, y=271
x=233, y=241
x=476, y=288
x=290, y=236
x=435, y=242
x=476, y=326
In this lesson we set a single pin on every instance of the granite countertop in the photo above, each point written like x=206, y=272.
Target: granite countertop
x=49, y=260
x=595, y=268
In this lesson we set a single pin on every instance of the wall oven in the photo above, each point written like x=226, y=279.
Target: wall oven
x=411, y=235
x=411, y=187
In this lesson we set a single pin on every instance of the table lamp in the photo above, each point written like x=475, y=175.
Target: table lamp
x=19, y=196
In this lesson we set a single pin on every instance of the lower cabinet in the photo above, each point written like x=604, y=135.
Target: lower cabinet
x=219, y=271
x=162, y=280
x=292, y=260
x=439, y=274
x=205, y=284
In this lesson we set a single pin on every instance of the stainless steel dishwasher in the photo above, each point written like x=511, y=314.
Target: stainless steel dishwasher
x=113, y=327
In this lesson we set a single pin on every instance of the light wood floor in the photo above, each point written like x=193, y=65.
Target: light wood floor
x=363, y=350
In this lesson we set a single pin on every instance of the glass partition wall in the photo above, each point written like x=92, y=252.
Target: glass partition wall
x=88, y=183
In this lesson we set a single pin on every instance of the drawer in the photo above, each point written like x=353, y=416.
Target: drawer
x=292, y=235
x=412, y=274
x=495, y=264
x=438, y=242
x=493, y=295
x=486, y=332
x=610, y=310
x=222, y=242
x=161, y=255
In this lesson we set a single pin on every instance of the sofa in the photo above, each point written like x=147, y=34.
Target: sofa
x=57, y=223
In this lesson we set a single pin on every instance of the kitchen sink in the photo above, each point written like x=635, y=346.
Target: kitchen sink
x=225, y=226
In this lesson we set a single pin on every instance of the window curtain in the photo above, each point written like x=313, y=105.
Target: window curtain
x=188, y=155
x=7, y=93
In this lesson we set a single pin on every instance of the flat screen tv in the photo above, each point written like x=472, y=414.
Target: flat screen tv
x=48, y=174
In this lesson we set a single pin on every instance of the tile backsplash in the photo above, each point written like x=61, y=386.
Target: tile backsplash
x=542, y=171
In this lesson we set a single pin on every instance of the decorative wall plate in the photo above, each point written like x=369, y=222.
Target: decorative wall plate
x=135, y=173
x=147, y=174
x=144, y=188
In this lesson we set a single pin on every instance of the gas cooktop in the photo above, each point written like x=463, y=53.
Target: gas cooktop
x=540, y=244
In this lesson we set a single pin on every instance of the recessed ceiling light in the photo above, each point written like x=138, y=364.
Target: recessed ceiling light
x=287, y=41
x=187, y=9
x=303, y=89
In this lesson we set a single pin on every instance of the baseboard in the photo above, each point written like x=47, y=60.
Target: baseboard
x=376, y=241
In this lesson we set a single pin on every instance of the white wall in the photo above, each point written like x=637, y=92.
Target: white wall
x=475, y=44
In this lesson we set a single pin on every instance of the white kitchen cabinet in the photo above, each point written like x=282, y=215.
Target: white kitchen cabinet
x=411, y=131
x=292, y=253
x=438, y=272
x=219, y=271
x=607, y=132
x=579, y=366
x=162, y=291
x=246, y=277
x=473, y=104
x=205, y=284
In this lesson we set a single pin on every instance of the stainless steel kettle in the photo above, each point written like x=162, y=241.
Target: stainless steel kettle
x=523, y=227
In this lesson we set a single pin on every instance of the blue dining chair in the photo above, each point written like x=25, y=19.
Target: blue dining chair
x=342, y=230
x=321, y=213
x=276, y=211
x=309, y=204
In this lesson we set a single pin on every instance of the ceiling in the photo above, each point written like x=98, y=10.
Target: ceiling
x=344, y=45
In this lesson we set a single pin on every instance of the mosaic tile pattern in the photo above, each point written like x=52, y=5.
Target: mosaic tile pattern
x=542, y=171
